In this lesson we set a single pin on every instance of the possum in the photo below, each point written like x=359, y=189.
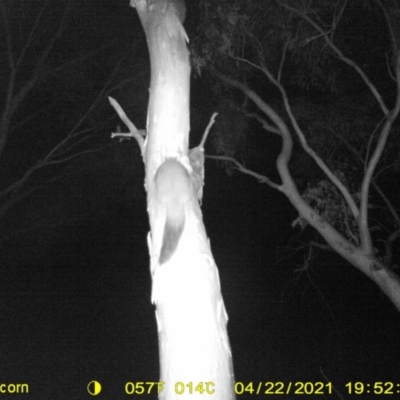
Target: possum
x=173, y=190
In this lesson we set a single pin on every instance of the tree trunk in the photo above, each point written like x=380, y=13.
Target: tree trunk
x=195, y=354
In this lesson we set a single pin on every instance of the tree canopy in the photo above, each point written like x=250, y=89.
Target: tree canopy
x=324, y=76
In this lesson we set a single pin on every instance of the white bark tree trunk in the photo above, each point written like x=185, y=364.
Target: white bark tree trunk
x=195, y=354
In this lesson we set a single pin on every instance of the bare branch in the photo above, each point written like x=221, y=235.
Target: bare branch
x=63, y=155
x=29, y=37
x=77, y=155
x=36, y=74
x=13, y=100
x=207, y=131
x=391, y=12
x=58, y=154
x=334, y=179
x=303, y=141
x=345, y=59
x=339, y=15
x=133, y=131
x=282, y=61
x=369, y=173
x=14, y=189
x=244, y=170
x=268, y=127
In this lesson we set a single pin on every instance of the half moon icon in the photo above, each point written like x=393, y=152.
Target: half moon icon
x=94, y=388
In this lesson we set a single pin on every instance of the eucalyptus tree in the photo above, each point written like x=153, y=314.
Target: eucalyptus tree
x=195, y=355
x=344, y=59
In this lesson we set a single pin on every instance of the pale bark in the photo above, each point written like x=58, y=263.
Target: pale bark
x=191, y=317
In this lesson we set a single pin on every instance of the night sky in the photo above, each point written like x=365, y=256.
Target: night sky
x=75, y=283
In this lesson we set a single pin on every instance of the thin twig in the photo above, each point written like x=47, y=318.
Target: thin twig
x=244, y=170
x=133, y=131
x=206, y=132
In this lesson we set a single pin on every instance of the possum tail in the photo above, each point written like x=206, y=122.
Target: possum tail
x=172, y=233
x=173, y=192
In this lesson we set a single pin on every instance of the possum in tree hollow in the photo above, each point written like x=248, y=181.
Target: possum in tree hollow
x=173, y=188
